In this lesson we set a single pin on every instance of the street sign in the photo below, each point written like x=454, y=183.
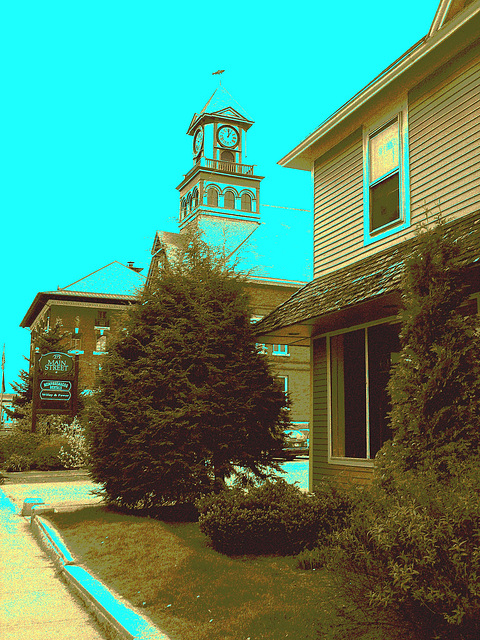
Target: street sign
x=56, y=363
x=55, y=395
x=55, y=385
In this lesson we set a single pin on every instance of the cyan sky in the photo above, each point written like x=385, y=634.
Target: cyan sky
x=97, y=97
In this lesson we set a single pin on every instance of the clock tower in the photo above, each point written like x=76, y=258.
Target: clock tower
x=220, y=194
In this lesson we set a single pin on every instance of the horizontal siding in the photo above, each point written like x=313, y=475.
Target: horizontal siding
x=444, y=168
x=445, y=146
x=338, y=207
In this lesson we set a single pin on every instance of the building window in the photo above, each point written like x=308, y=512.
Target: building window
x=284, y=382
x=212, y=197
x=261, y=347
x=229, y=200
x=386, y=201
x=227, y=156
x=183, y=209
x=360, y=364
x=246, y=202
x=195, y=198
x=280, y=350
x=101, y=342
x=101, y=320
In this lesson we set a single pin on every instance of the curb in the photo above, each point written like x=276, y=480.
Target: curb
x=115, y=615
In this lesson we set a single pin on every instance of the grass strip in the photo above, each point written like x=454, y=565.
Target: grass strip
x=192, y=592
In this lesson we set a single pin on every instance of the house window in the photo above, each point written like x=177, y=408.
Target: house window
x=284, y=382
x=246, y=202
x=101, y=342
x=360, y=364
x=261, y=347
x=386, y=204
x=229, y=200
x=280, y=350
x=212, y=197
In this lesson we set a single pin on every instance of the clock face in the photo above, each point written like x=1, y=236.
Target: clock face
x=228, y=136
x=197, y=140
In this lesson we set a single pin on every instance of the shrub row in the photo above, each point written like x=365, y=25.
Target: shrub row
x=20, y=451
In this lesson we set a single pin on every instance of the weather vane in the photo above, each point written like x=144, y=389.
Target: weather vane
x=219, y=73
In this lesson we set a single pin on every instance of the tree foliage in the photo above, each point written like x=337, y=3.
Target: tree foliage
x=46, y=341
x=185, y=398
x=435, y=388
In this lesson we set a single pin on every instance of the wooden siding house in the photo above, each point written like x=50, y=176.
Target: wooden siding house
x=408, y=143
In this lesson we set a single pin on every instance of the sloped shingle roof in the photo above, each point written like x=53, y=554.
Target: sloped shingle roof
x=361, y=281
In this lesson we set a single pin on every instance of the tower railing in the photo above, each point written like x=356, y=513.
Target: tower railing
x=226, y=167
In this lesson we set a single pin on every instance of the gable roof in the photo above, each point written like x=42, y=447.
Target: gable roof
x=455, y=27
x=114, y=278
x=361, y=281
x=446, y=11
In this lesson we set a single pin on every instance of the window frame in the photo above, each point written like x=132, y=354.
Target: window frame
x=400, y=113
x=280, y=352
x=357, y=462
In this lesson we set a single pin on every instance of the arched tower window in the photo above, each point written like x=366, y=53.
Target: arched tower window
x=189, y=204
x=227, y=156
x=195, y=198
x=246, y=202
x=183, y=209
x=229, y=200
x=212, y=197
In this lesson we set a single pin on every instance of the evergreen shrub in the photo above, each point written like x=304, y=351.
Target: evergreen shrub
x=274, y=518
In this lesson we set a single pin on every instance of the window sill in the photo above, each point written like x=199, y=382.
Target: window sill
x=100, y=353
x=76, y=352
x=281, y=355
x=352, y=462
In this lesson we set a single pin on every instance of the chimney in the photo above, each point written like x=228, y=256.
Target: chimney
x=137, y=269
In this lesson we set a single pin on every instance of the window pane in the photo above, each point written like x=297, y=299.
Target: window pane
x=212, y=198
x=246, y=202
x=384, y=151
x=229, y=200
x=348, y=395
x=384, y=203
x=383, y=346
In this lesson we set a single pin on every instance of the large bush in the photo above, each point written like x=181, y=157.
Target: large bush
x=185, y=398
x=274, y=518
x=419, y=552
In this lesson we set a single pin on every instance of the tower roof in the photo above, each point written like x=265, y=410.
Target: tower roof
x=220, y=101
x=223, y=105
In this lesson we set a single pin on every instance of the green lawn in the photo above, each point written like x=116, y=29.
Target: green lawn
x=194, y=593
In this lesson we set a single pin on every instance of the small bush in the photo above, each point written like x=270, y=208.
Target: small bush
x=312, y=559
x=18, y=463
x=47, y=456
x=18, y=443
x=275, y=518
x=74, y=453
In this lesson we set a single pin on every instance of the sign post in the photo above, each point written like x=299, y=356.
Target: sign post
x=55, y=384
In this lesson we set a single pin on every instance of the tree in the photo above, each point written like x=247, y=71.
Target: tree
x=46, y=342
x=435, y=388
x=185, y=398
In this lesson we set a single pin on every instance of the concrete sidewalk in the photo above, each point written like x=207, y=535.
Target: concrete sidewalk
x=34, y=603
